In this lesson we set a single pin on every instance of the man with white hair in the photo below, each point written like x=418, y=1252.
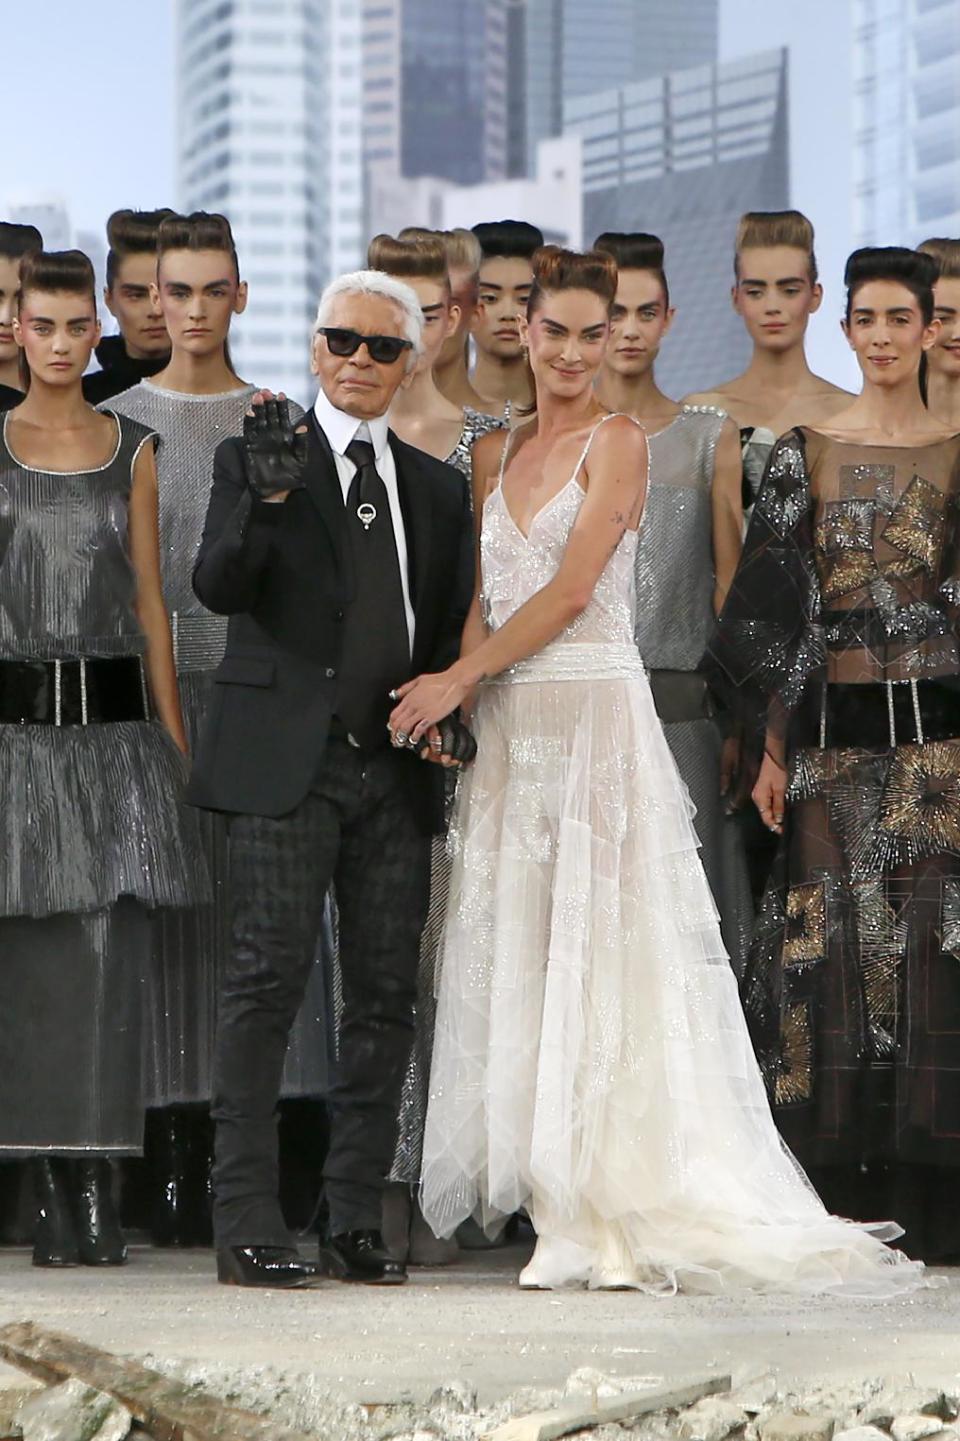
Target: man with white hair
x=345, y=561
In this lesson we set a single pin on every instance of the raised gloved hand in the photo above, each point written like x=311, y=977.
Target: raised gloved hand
x=275, y=454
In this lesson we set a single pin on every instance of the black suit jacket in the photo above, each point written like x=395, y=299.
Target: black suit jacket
x=283, y=574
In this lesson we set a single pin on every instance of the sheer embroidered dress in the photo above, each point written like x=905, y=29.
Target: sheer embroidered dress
x=591, y=1060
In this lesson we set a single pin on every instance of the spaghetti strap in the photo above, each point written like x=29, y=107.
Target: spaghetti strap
x=503, y=457
x=602, y=421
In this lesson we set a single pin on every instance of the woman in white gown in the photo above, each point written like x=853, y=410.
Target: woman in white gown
x=591, y=1060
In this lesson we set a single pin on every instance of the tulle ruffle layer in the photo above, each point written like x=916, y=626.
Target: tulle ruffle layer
x=92, y=813
x=591, y=1060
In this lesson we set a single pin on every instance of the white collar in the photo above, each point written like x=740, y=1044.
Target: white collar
x=341, y=428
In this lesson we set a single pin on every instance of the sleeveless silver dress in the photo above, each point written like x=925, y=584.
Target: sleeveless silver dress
x=413, y=1104
x=193, y=946
x=93, y=835
x=675, y=620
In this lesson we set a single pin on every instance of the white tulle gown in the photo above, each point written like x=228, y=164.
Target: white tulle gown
x=591, y=1060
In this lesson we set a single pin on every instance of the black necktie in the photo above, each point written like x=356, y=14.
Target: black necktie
x=376, y=642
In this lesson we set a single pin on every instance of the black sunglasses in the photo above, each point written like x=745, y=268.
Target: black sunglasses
x=384, y=349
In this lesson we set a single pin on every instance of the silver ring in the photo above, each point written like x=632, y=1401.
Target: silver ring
x=400, y=738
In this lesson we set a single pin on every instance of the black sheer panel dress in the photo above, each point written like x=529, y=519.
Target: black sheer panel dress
x=839, y=640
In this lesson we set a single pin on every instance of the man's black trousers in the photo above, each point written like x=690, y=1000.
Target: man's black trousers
x=355, y=828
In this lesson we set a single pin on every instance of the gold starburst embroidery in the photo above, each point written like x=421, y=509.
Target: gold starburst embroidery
x=921, y=797
x=794, y=1081
x=846, y=571
x=950, y=919
x=804, y=936
x=917, y=524
x=844, y=540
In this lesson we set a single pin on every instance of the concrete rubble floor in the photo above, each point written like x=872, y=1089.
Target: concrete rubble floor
x=472, y=1323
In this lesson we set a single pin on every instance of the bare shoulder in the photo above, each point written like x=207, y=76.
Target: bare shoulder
x=619, y=442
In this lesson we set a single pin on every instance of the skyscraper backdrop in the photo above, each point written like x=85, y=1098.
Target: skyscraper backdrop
x=325, y=101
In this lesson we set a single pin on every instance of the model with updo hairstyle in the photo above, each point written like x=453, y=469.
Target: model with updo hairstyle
x=143, y=345
x=776, y=290
x=556, y=269
x=506, y=275
x=943, y=359
x=687, y=553
x=451, y=370
x=839, y=647
x=96, y=843
x=16, y=241
x=192, y=404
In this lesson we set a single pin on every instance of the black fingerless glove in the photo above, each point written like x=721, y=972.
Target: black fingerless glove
x=456, y=741
x=274, y=453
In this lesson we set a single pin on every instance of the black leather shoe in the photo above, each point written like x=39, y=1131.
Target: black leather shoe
x=361, y=1256
x=264, y=1266
x=99, y=1235
x=55, y=1238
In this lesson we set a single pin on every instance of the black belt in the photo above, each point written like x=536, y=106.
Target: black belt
x=878, y=714
x=680, y=695
x=98, y=691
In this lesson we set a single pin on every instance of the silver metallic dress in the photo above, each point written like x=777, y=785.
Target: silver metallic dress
x=413, y=1104
x=675, y=619
x=194, y=945
x=93, y=837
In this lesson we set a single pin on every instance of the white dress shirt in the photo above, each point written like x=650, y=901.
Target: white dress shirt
x=340, y=429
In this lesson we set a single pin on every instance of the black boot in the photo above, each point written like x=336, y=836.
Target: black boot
x=167, y=1161
x=55, y=1238
x=171, y=1146
x=199, y=1194
x=98, y=1225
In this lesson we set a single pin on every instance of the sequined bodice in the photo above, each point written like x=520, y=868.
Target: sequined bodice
x=190, y=429
x=67, y=585
x=475, y=424
x=515, y=567
x=886, y=541
x=674, y=564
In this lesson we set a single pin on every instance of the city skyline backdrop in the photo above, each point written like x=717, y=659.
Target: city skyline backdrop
x=102, y=145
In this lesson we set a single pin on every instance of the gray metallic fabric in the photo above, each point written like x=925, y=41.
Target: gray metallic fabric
x=89, y=813
x=675, y=619
x=193, y=946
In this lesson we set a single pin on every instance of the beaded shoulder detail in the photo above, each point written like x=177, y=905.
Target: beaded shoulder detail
x=705, y=410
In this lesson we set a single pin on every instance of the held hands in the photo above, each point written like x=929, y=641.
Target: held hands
x=769, y=793
x=274, y=453
x=425, y=702
x=450, y=743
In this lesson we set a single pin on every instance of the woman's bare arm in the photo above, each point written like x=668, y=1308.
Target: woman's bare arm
x=144, y=533
x=616, y=482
